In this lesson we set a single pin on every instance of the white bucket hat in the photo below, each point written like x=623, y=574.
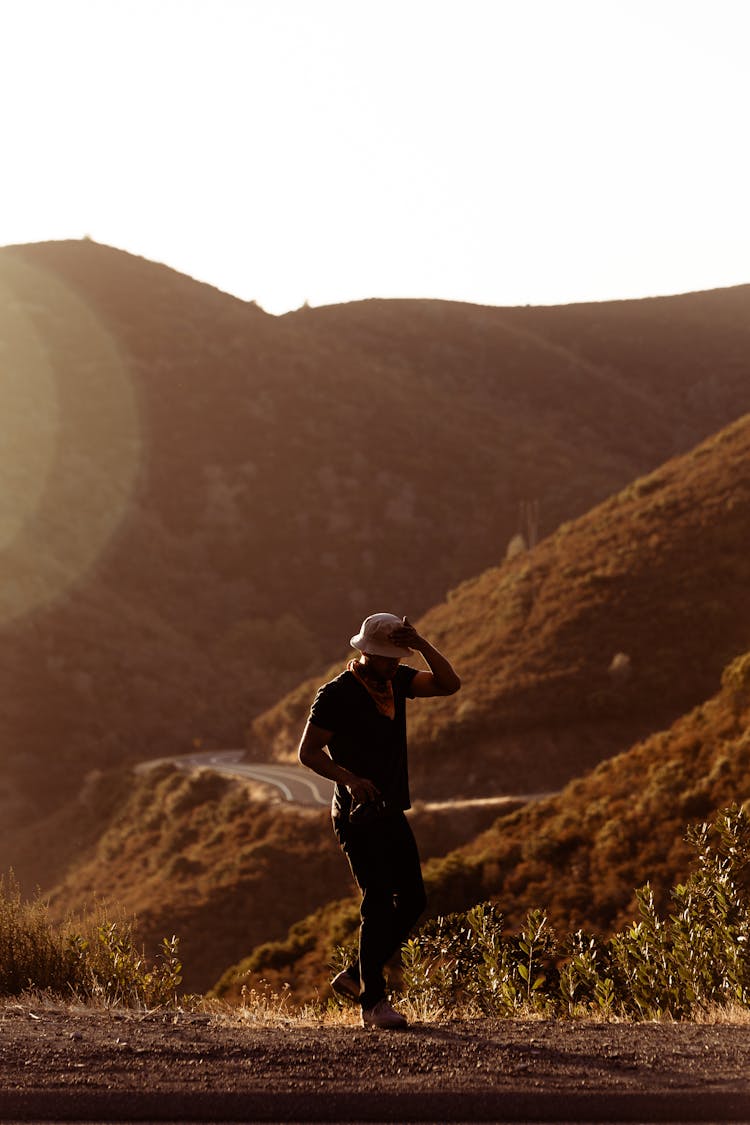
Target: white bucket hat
x=374, y=637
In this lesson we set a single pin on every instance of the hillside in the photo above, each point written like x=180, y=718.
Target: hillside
x=659, y=573
x=223, y=864
x=579, y=855
x=208, y=859
x=200, y=499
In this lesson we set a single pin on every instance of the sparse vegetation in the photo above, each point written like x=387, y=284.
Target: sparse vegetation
x=93, y=959
x=692, y=962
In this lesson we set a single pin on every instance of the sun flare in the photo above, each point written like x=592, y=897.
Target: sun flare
x=70, y=445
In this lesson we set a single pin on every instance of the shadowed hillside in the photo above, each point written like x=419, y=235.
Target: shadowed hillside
x=659, y=573
x=203, y=498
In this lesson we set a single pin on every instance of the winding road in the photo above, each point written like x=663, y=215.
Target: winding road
x=300, y=786
x=294, y=783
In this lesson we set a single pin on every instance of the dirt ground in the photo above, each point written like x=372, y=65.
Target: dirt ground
x=77, y=1064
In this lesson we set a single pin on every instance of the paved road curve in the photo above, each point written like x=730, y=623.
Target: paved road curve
x=294, y=783
x=300, y=786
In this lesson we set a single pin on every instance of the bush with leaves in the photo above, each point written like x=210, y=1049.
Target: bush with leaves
x=698, y=957
x=464, y=959
x=694, y=959
x=107, y=967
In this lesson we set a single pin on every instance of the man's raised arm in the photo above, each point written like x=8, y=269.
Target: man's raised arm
x=442, y=678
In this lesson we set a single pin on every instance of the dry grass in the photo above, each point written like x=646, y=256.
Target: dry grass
x=277, y=1010
x=734, y=1014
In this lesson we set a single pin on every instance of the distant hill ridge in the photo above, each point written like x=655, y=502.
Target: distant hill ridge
x=293, y=473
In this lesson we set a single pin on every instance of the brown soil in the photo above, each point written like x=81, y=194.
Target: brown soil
x=61, y=1064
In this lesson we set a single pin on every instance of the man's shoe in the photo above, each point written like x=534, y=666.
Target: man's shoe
x=383, y=1015
x=346, y=985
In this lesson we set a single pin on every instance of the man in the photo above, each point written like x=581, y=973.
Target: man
x=360, y=717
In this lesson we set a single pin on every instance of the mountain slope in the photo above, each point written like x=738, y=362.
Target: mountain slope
x=222, y=864
x=205, y=499
x=197, y=856
x=579, y=855
x=659, y=573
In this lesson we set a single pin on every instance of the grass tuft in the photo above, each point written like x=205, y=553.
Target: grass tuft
x=94, y=958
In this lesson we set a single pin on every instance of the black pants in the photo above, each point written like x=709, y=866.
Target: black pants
x=384, y=860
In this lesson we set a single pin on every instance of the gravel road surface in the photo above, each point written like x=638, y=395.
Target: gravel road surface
x=60, y=1064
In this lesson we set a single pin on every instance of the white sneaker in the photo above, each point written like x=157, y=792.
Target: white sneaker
x=383, y=1015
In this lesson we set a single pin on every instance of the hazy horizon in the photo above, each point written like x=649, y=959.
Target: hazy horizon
x=492, y=153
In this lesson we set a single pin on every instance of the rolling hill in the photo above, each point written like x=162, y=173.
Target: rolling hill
x=200, y=499
x=658, y=573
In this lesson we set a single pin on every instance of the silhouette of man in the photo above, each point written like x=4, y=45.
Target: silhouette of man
x=356, y=736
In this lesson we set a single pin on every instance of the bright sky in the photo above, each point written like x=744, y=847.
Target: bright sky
x=498, y=152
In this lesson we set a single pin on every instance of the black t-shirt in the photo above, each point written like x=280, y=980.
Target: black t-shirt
x=365, y=741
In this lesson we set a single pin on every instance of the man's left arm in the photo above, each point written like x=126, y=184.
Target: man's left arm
x=441, y=678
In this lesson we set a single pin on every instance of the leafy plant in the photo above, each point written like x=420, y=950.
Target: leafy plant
x=464, y=959
x=109, y=968
x=674, y=966
x=586, y=982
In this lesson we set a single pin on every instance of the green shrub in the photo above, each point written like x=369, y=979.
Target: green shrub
x=108, y=968
x=464, y=959
x=695, y=958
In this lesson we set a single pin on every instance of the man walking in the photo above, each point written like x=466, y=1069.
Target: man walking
x=356, y=737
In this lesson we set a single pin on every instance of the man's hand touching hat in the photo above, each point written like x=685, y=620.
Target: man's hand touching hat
x=406, y=636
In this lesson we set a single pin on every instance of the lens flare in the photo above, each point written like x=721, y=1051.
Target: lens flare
x=70, y=445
